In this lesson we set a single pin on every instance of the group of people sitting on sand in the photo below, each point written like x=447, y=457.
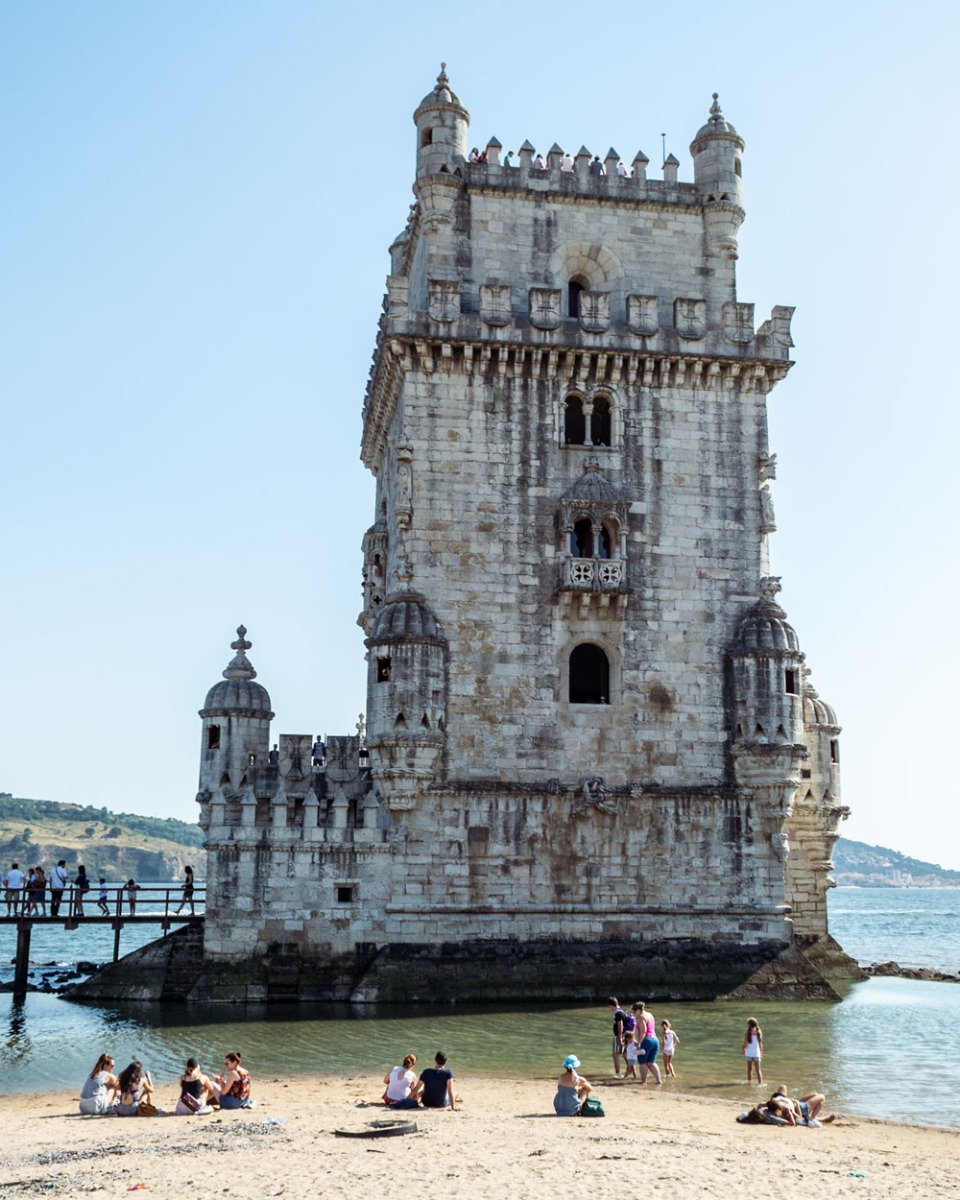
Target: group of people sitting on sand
x=433, y=1089
x=130, y=1094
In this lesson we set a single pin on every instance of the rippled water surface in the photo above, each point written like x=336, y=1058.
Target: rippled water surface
x=851, y=1050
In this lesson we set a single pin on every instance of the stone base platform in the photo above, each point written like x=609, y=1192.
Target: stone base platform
x=174, y=969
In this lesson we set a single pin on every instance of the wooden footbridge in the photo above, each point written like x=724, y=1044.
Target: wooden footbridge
x=160, y=906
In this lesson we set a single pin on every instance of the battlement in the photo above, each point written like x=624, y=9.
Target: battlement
x=579, y=179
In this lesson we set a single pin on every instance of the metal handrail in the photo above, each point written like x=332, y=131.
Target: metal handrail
x=158, y=903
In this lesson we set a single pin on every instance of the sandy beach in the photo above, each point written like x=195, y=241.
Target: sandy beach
x=503, y=1142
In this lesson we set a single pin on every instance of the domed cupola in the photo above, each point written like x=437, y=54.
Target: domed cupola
x=236, y=725
x=442, y=124
x=767, y=674
x=765, y=627
x=238, y=695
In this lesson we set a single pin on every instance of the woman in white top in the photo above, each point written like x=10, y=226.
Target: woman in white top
x=99, y=1088
x=402, y=1085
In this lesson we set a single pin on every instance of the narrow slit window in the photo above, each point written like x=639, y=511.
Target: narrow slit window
x=213, y=737
x=574, y=290
x=791, y=681
x=383, y=670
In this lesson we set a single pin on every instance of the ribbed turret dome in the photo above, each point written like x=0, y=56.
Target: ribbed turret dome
x=815, y=710
x=593, y=485
x=441, y=96
x=765, y=627
x=237, y=693
x=406, y=617
x=716, y=126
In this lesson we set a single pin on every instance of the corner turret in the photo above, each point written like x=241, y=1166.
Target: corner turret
x=717, y=151
x=442, y=124
x=236, y=730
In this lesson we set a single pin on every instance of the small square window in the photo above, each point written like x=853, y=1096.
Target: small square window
x=344, y=895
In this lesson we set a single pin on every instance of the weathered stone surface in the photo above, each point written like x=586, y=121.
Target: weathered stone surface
x=589, y=722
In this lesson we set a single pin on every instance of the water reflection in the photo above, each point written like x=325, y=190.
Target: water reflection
x=18, y=1040
x=844, y=1049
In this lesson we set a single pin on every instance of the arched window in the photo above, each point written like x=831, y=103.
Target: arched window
x=574, y=288
x=574, y=422
x=581, y=539
x=600, y=422
x=606, y=540
x=589, y=675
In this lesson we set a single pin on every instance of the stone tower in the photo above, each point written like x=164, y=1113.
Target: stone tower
x=592, y=751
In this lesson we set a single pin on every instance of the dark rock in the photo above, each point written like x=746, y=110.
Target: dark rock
x=87, y=968
x=893, y=969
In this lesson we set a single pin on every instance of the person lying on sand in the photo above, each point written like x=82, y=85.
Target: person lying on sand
x=799, y=1111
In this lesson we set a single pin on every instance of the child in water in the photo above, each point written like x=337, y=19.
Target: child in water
x=630, y=1052
x=670, y=1044
x=753, y=1049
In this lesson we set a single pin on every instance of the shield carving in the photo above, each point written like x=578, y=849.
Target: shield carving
x=594, y=311
x=738, y=322
x=545, y=307
x=444, y=299
x=495, y=304
x=690, y=318
x=643, y=315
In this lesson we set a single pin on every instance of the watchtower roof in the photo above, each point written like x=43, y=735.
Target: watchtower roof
x=237, y=692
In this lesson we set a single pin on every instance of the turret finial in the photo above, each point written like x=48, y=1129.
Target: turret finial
x=442, y=77
x=240, y=667
x=715, y=111
x=241, y=643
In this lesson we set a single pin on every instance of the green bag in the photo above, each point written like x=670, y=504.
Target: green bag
x=591, y=1108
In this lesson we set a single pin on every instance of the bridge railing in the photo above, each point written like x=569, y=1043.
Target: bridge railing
x=115, y=900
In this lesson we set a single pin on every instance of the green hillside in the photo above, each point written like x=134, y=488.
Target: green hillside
x=861, y=865
x=116, y=845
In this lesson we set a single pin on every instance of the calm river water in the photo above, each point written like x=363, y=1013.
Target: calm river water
x=853, y=1051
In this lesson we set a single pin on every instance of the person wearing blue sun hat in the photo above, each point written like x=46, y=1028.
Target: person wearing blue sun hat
x=572, y=1089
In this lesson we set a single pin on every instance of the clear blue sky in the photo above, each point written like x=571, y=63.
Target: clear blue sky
x=198, y=201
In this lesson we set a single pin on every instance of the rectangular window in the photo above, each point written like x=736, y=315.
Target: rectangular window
x=791, y=681
x=834, y=751
x=213, y=737
x=344, y=895
x=383, y=670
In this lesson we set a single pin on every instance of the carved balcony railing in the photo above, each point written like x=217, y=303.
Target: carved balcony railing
x=594, y=574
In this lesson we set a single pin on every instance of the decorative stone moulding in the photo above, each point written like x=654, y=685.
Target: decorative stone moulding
x=444, y=299
x=594, y=311
x=545, y=308
x=643, y=315
x=690, y=318
x=738, y=322
x=496, y=304
x=403, y=505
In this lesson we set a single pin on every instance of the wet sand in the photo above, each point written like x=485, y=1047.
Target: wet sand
x=503, y=1143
